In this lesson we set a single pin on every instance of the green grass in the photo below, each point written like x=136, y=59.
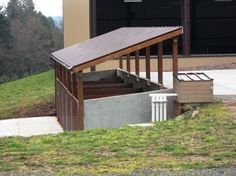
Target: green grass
x=19, y=96
x=205, y=141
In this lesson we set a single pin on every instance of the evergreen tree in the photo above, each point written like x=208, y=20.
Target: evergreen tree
x=4, y=30
x=13, y=9
x=5, y=39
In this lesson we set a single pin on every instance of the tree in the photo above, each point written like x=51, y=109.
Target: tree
x=13, y=9
x=5, y=39
x=32, y=37
x=4, y=30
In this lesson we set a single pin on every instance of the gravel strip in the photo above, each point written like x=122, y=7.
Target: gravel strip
x=231, y=171
x=192, y=172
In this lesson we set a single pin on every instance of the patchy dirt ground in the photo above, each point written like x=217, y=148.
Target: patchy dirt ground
x=37, y=110
x=230, y=102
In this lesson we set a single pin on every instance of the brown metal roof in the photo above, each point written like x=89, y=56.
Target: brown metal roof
x=90, y=52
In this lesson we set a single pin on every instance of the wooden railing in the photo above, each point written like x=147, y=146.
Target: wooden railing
x=148, y=62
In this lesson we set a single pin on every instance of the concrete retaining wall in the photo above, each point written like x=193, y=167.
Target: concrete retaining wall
x=138, y=82
x=118, y=111
x=94, y=76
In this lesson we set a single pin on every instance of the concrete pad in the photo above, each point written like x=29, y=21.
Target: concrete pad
x=224, y=81
x=9, y=128
x=27, y=127
x=142, y=125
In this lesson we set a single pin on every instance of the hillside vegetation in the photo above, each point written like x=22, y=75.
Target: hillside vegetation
x=28, y=96
x=204, y=141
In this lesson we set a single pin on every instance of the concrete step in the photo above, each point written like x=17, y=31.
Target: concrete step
x=86, y=97
x=104, y=81
x=107, y=85
x=117, y=90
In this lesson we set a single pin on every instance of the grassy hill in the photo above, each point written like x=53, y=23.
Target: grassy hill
x=204, y=141
x=27, y=97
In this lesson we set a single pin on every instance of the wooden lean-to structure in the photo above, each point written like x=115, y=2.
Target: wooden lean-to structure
x=72, y=89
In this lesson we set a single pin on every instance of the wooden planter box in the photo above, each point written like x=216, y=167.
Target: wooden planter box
x=193, y=88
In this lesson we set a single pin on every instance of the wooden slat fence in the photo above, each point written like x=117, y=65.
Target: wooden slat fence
x=66, y=107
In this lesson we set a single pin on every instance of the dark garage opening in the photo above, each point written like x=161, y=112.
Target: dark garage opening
x=213, y=26
x=213, y=22
x=113, y=14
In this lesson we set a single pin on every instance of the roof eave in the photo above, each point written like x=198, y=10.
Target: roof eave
x=61, y=63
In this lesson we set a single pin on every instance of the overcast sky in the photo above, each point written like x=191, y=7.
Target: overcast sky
x=47, y=7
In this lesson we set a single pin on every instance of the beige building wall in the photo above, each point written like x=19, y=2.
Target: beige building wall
x=185, y=63
x=76, y=21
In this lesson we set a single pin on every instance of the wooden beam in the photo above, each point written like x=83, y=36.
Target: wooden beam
x=129, y=50
x=175, y=56
x=121, y=63
x=137, y=62
x=80, y=106
x=160, y=63
x=148, y=66
x=128, y=62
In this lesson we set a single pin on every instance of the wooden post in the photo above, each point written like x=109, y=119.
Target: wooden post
x=186, y=21
x=60, y=72
x=93, y=69
x=56, y=69
x=80, y=106
x=128, y=62
x=178, y=108
x=121, y=62
x=148, y=71
x=74, y=86
x=75, y=94
x=137, y=62
x=93, y=24
x=63, y=80
x=175, y=56
x=160, y=63
x=93, y=18
x=56, y=89
x=69, y=81
x=65, y=100
x=66, y=78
